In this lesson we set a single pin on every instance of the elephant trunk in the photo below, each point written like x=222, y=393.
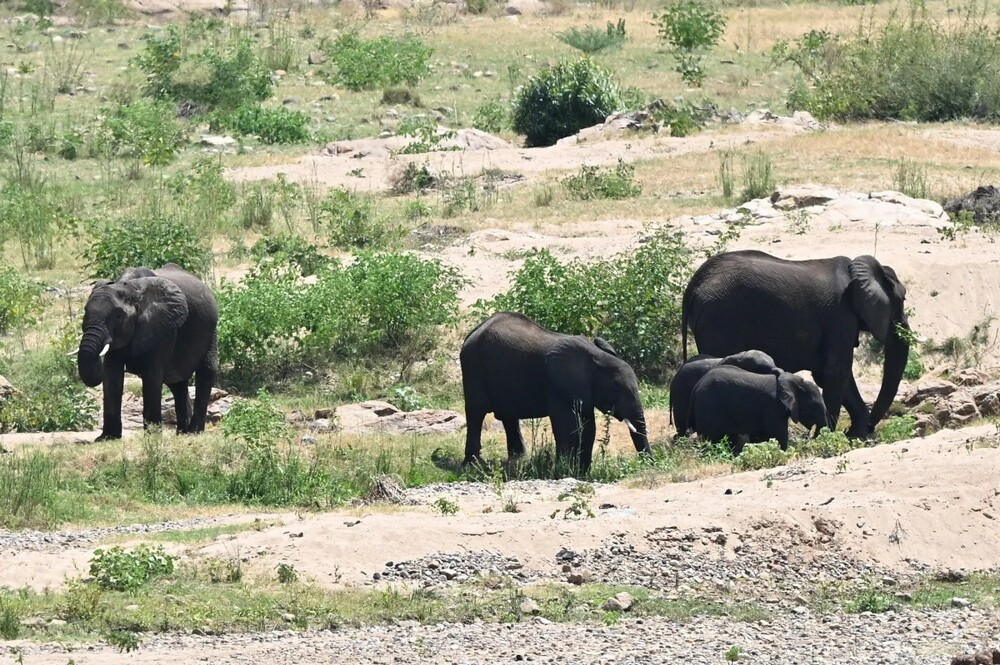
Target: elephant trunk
x=636, y=421
x=89, y=362
x=897, y=351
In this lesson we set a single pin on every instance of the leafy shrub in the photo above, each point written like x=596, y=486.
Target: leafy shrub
x=400, y=95
x=765, y=455
x=145, y=129
x=561, y=100
x=690, y=27
x=116, y=569
x=270, y=125
x=872, y=598
x=224, y=75
x=632, y=299
x=683, y=117
x=19, y=299
x=592, y=39
x=352, y=221
x=287, y=573
x=491, y=116
x=148, y=242
x=897, y=428
x=35, y=215
x=381, y=304
x=366, y=64
x=827, y=444
x=50, y=397
x=290, y=249
x=256, y=422
x=594, y=183
x=914, y=68
x=203, y=194
x=758, y=177
x=411, y=178
x=428, y=137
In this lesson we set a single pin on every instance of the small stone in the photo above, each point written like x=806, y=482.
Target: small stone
x=288, y=616
x=309, y=439
x=565, y=555
x=581, y=576
x=316, y=58
x=960, y=603
x=57, y=622
x=131, y=608
x=888, y=581
x=449, y=573
x=903, y=597
x=529, y=606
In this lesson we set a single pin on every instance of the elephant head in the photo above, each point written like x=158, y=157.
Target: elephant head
x=802, y=399
x=592, y=374
x=877, y=296
x=752, y=361
x=132, y=315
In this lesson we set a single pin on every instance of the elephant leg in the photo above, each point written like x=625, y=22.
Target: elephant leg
x=181, y=405
x=515, y=442
x=473, y=434
x=566, y=428
x=586, y=443
x=205, y=377
x=152, y=397
x=114, y=384
x=782, y=434
x=834, y=384
x=858, y=411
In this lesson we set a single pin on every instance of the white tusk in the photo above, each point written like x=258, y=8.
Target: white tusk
x=73, y=352
x=630, y=426
x=105, y=349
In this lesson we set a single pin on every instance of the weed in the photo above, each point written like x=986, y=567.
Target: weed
x=352, y=221
x=19, y=299
x=897, y=428
x=10, y=619
x=119, y=570
x=594, y=183
x=733, y=654
x=229, y=571
x=871, y=598
x=592, y=39
x=124, y=640
x=827, y=444
x=910, y=178
x=411, y=178
x=400, y=95
x=270, y=125
x=798, y=222
x=492, y=116
x=151, y=242
x=725, y=177
x=544, y=196
x=426, y=135
x=761, y=456
x=367, y=64
x=580, y=503
x=690, y=28
x=445, y=506
x=758, y=177
x=287, y=573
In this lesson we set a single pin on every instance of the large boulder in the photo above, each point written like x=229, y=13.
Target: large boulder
x=378, y=416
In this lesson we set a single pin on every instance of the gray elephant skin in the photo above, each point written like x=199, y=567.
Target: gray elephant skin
x=807, y=315
x=741, y=405
x=515, y=369
x=158, y=324
x=691, y=372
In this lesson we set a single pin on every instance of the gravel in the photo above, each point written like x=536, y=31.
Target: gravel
x=38, y=541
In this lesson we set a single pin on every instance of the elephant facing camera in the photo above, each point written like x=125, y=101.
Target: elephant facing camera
x=515, y=369
x=748, y=407
x=160, y=325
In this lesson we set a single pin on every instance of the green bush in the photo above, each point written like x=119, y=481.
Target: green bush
x=761, y=456
x=35, y=215
x=29, y=486
x=203, y=194
x=914, y=366
x=116, y=569
x=20, y=299
x=562, y=100
x=290, y=249
x=256, y=422
x=367, y=64
x=224, y=75
x=270, y=125
x=145, y=129
x=910, y=68
x=897, y=428
x=594, y=183
x=827, y=444
x=690, y=27
x=592, y=39
x=491, y=116
x=50, y=397
x=426, y=133
x=380, y=305
x=633, y=299
x=352, y=221
x=148, y=242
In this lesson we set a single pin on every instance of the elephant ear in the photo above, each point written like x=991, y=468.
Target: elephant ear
x=99, y=283
x=161, y=310
x=873, y=293
x=569, y=367
x=603, y=345
x=135, y=273
x=788, y=393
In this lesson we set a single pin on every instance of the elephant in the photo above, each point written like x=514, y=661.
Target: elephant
x=747, y=406
x=693, y=369
x=161, y=325
x=515, y=368
x=807, y=315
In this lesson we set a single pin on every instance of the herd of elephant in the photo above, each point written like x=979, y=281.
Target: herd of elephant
x=756, y=320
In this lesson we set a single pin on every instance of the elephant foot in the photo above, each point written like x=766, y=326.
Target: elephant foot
x=108, y=436
x=472, y=460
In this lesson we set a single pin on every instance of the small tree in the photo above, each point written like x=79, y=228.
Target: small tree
x=691, y=28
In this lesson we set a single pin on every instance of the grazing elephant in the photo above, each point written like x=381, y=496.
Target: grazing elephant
x=516, y=369
x=692, y=370
x=734, y=403
x=159, y=324
x=807, y=315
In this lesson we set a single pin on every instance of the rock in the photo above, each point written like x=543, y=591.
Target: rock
x=983, y=202
x=529, y=606
x=984, y=658
x=963, y=660
x=565, y=555
x=57, y=622
x=511, y=11
x=387, y=489
x=802, y=196
x=987, y=399
x=621, y=602
x=219, y=403
x=6, y=390
x=925, y=390
x=581, y=576
x=217, y=143
x=969, y=377
x=961, y=409
x=960, y=603
x=316, y=58
x=131, y=608
x=321, y=425
x=925, y=423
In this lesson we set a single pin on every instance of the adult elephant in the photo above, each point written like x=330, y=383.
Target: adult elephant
x=739, y=405
x=807, y=315
x=159, y=324
x=514, y=368
x=694, y=369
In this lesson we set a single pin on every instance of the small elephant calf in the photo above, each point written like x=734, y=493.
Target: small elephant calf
x=732, y=402
x=692, y=371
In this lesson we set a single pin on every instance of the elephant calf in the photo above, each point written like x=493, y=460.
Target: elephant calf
x=514, y=368
x=692, y=371
x=732, y=402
